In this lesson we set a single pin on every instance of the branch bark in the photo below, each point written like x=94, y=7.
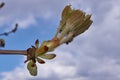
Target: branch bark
x=13, y=52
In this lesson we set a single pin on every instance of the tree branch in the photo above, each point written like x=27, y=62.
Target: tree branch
x=13, y=52
x=2, y=4
x=12, y=31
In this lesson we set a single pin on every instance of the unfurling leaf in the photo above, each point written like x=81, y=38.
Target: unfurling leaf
x=37, y=43
x=31, y=66
x=66, y=13
x=48, y=56
x=73, y=23
x=40, y=61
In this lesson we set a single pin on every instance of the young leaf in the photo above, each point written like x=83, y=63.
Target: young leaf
x=37, y=43
x=31, y=66
x=48, y=56
x=40, y=61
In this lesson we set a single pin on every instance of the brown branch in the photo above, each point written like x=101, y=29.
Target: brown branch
x=13, y=52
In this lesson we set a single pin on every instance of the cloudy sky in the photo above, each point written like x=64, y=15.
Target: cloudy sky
x=93, y=55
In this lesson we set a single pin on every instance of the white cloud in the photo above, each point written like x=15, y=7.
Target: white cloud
x=26, y=22
x=18, y=73
x=21, y=9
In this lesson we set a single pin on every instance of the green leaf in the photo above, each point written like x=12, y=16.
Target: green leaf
x=31, y=66
x=65, y=13
x=48, y=56
x=40, y=61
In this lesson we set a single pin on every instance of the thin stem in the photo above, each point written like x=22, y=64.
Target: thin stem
x=13, y=52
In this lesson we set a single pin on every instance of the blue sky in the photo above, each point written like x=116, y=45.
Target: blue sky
x=93, y=55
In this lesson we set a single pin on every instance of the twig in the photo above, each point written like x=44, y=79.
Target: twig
x=13, y=52
x=2, y=4
x=12, y=31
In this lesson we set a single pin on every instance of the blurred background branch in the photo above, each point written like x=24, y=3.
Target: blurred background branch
x=2, y=4
x=2, y=41
x=12, y=31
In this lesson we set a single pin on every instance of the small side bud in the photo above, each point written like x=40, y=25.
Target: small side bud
x=2, y=43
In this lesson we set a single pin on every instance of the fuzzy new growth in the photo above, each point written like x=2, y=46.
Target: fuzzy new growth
x=73, y=22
